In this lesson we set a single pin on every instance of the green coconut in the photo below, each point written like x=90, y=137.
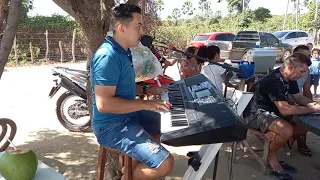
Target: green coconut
x=18, y=164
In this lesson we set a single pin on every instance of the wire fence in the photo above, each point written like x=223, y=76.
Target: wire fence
x=47, y=45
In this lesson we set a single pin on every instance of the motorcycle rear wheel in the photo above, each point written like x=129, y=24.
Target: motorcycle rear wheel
x=66, y=119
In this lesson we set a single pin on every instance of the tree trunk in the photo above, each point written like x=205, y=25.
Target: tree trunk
x=285, y=17
x=9, y=32
x=315, y=25
x=297, y=13
x=3, y=13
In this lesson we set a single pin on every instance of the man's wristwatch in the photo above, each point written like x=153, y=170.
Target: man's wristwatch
x=145, y=89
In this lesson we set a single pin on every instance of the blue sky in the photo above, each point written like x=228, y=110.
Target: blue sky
x=48, y=7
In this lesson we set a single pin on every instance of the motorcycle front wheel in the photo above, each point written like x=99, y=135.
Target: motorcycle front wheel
x=72, y=112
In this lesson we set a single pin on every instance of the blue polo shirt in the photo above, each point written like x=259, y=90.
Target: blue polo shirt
x=112, y=66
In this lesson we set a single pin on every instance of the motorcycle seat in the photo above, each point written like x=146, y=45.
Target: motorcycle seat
x=75, y=72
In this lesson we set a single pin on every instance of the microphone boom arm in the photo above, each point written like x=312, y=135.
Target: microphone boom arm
x=226, y=66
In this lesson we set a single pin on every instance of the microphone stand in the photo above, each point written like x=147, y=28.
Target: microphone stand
x=226, y=66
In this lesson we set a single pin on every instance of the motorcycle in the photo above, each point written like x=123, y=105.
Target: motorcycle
x=71, y=107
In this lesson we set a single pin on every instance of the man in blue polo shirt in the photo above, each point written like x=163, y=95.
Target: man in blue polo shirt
x=115, y=118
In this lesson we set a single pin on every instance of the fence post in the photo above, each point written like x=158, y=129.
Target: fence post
x=47, y=47
x=73, y=45
x=15, y=49
x=31, y=52
x=61, y=51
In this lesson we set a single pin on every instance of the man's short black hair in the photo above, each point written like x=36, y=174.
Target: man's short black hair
x=124, y=14
x=302, y=47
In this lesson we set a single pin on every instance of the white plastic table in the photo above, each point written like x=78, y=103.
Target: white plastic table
x=44, y=172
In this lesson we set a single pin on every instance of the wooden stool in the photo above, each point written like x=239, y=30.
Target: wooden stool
x=102, y=163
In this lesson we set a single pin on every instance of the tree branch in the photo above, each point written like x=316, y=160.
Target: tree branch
x=92, y=15
x=63, y=4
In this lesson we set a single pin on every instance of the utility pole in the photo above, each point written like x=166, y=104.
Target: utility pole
x=315, y=27
x=285, y=17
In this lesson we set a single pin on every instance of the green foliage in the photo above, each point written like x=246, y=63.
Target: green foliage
x=23, y=53
x=159, y=6
x=309, y=17
x=43, y=22
x=236, y=5
x=176, y=14
x=53, y=22
x=205, y=9
x=27, y=5
x=187, y=8
x=180, y=32
x=261, y=14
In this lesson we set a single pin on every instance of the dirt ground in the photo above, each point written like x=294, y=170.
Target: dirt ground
x=24, y=98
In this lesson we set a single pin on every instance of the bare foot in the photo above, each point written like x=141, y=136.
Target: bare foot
x=274, y=162
x=270, y=135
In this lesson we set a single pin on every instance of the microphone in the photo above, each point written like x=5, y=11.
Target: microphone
x=147, y=41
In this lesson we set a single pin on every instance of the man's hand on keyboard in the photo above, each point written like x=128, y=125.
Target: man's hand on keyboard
x=157, y=105
x=315, y=106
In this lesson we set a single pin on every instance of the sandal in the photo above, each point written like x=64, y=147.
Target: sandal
x=287, y=168
x=281, y=175
x=305, y=151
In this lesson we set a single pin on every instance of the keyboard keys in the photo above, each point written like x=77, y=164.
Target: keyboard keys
x=177, y=117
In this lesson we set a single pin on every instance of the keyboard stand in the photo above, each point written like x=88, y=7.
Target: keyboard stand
x=207, y=153
x=210, y=152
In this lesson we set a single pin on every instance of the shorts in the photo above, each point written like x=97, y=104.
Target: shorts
x=129, y=137
x=314, y=79
x=150, y=121
x=262, y=120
